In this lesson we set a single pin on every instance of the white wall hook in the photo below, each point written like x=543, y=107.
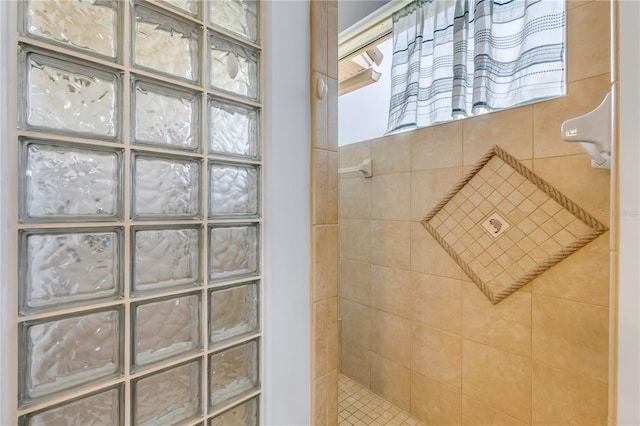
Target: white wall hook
x=321, y=88
x=363, y=169
x=593, y=131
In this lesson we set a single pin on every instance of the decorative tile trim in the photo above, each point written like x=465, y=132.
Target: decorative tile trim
x=450, y=222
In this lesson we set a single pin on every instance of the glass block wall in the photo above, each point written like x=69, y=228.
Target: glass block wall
x=139, y=133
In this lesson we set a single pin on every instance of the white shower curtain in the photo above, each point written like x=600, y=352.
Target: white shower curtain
x=454, y=58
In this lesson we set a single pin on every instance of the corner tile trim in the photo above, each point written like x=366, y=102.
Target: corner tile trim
x=595, y=227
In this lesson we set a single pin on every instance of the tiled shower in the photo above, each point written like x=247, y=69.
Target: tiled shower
x=416, y=330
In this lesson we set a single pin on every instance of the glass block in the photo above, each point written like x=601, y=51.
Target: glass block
x=233, y=190
x=69, y=182
x=165, y=44
x=165, y=117
x=245, y=414
x=165, y=187
x=101, y=408
x=91, y=26
x=233, y=67
x=60, y=268
x=165, y=328
x=241, y=17
x=62, y=353
x=233, y=129
x=189, y=6
x=168, y=397
x=233, y=311
x=165, y=258
x=233, y=251
x=233, y=372
x=69, y=98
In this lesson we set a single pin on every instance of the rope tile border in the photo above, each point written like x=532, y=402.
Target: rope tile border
x=596, y=227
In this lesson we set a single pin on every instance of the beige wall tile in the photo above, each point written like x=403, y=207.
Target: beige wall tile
x=433, y=403
x=436, y=147
x=573, y=176
x=324, y=122
x=572, y=4
x=566, y=399
x=390, y=243
x=572, y=336
x=391, y=154
x=498, y=379
x=582, y=277
x=318, y=113
x=437, y=302
x=505, y=326
x=354, y=239
x=332, y=187
x=356, y=323
x=355, y=198
x=339, y=340
x=319, y=31
x=527, y=163
x=475, y=413
x=588, y=49
x=392, y=195
x=391, y=290
x=320, y=325
x=325, y=258
x=319, y=409
x=429, y=257
x=511, y=129
x=582, y=97
x=354, y=154
x=332, y=334
x=356, y=363
x=332, y=39
x=392, y=381
x=391, y=337
x=354, y=281
x=429, y=187
x=436, y=355
x=320, y=185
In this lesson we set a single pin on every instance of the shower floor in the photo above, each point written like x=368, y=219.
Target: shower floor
x=359, y=406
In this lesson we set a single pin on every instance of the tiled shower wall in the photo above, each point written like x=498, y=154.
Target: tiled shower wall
x=416, y=330
x=324, y=212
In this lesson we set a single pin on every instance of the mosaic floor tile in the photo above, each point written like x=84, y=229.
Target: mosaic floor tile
x=358, y=406
x=504, y=225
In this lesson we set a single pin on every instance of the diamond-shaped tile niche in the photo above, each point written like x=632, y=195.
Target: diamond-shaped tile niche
x=504, y=225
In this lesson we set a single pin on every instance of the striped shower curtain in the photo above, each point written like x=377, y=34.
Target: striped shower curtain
x=455, y=58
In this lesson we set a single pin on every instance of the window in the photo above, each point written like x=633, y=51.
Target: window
x=452, y=59
x=458, y=58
